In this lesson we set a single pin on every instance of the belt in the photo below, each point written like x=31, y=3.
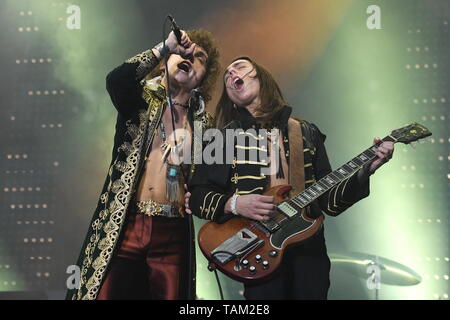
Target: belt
x=152, y=208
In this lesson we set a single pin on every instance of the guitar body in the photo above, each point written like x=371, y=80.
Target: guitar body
x=266, y=251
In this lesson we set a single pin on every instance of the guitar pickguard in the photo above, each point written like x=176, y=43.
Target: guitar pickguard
x=290, y=228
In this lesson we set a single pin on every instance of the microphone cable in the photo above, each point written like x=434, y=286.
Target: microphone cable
x=190, y=222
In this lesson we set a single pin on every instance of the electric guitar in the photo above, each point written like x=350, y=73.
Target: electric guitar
x=250, y=251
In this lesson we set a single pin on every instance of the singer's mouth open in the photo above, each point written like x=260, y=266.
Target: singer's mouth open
x=238, y=83
x=184, y=66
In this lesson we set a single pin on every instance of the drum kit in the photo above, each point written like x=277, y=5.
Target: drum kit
x=376, y=270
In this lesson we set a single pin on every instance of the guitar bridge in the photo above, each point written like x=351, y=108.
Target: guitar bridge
x=235, y=246
x=270, y=225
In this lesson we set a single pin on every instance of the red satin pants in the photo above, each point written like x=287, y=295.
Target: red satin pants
x=150, y=261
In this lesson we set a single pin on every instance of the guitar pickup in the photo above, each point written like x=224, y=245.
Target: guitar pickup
x=287, y=209
x=235, y=246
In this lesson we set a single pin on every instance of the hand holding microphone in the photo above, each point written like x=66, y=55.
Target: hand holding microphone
x=178, y=41
x=184, y=48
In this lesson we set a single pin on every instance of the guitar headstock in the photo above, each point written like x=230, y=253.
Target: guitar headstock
x=410, y=133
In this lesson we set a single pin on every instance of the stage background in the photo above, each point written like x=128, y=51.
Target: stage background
x=355, y=83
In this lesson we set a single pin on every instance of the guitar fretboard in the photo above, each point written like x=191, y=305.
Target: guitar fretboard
x=307, y=196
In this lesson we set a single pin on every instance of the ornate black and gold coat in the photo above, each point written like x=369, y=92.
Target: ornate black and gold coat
x=212, y=185
x=139, y=105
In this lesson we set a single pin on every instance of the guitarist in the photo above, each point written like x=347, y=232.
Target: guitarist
x=251, y=99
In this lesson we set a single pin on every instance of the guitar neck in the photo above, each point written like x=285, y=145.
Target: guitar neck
x=307, y=196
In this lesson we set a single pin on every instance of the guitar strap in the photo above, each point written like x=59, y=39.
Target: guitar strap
x=296, y=156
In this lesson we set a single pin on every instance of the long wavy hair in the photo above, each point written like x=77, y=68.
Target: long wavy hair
x=272, y=100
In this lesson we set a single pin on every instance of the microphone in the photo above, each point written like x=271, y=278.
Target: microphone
x=175, y=28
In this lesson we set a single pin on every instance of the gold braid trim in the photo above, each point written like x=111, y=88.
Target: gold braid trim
x=251, y=148
x=203, y=207
x=342, y=192
x=248, y=191
x=210, y=203
x=259, y=137
x=329, y=200
x=214, y=208
x=261, y=163
x=236, y=178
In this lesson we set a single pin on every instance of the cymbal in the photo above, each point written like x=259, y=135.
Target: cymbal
x=391, y=272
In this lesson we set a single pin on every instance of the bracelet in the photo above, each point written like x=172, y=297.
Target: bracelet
x=163, y=50
x=233, y=204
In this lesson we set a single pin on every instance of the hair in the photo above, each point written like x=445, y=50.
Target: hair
x=272, y=100
x=205, y=40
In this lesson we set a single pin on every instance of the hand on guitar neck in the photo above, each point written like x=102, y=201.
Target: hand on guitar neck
x=384, y=153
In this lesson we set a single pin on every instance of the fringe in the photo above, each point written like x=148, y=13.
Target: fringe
x=173, y=188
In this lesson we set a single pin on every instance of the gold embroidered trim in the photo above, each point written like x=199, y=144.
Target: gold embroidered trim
x=203, y=207
x=236, y=178
x=133, y=131
x=126, y=147
x=334, y=197
x=259, y=137
x=251, y=148
x=117, y=186
x=207, y=120
x=248, y=191
x=104, y=197
x=329, y=209
x=262, y=163
x=150, y=91
x=329, y=200
x=116, y=210
x=215, y=207
x=122, y=166
x=342, y=191
x=233, y=165
x=147, y=61
x=141, y=57
x=210, y=203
